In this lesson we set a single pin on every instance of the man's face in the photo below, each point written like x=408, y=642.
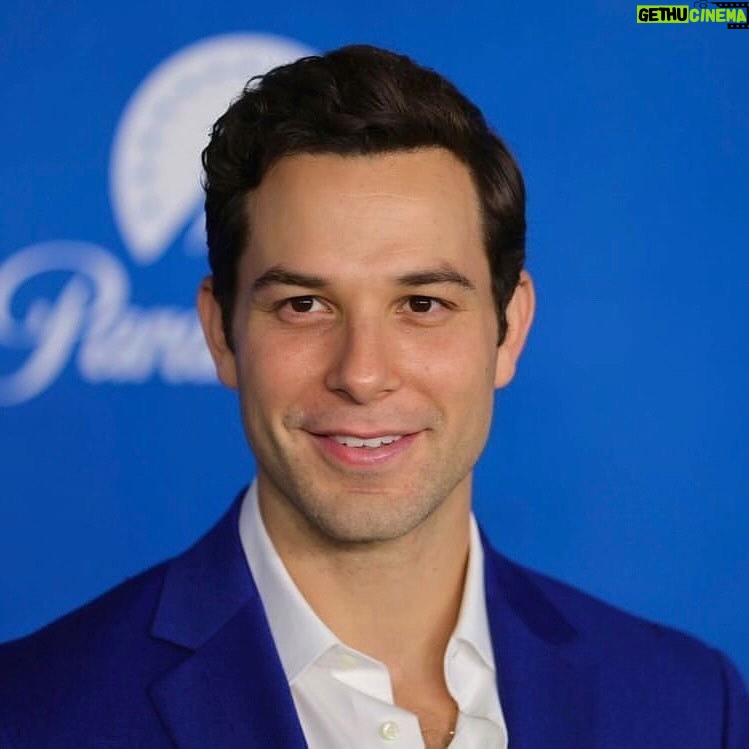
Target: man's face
x=365, y=341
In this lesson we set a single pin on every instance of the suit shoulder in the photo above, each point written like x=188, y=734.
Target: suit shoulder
x=590, y=613
x=92, y=637
x=86, y=679
x=642, y=668
x=87, y=668
x=624, y=643
x=105, y=609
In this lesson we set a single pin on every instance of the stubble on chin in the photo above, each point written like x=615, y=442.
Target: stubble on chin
x=362, y=513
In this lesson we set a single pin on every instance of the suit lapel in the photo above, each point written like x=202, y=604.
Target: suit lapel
x=230, y=690
x=547, y=693
x=231, y=693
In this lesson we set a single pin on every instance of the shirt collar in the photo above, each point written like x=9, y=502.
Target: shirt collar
x=301, y=637
x=472, y=626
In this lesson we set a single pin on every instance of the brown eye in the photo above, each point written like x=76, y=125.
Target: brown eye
x=420, y=303
x=302, y=303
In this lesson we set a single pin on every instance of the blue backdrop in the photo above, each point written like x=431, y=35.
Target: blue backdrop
x=618, y=459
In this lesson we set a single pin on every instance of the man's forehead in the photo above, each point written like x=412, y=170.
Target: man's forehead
x=411, y=202
x=426, y=176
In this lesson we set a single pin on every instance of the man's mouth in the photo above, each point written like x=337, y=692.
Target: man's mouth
x=364, y=452
x=371, y=443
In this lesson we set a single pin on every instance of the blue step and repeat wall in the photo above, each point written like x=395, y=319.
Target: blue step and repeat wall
x=618, y=460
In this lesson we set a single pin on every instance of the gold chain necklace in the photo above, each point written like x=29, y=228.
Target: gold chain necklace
x=427, y=733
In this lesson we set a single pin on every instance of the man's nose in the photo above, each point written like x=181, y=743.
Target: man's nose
x=363, y=365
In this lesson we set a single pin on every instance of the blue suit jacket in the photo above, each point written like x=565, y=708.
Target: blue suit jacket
x=182, y=656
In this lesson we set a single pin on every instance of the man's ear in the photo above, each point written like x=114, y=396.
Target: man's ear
x=519, y=315
x=213, y=330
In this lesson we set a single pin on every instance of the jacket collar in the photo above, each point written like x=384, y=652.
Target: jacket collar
x=546, y=688
x=231, y=689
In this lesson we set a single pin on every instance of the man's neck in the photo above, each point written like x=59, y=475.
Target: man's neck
x=396, y=601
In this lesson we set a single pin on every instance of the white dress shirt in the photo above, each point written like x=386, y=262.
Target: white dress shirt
x=344, y=698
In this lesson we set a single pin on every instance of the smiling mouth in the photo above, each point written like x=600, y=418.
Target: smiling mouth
x=370, y=443
x=373, y=451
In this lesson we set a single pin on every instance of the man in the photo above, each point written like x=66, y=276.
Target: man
x=366, y=236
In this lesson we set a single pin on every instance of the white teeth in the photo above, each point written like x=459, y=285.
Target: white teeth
x=358, y=442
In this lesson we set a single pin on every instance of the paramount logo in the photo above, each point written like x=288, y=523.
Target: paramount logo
x=157, y=203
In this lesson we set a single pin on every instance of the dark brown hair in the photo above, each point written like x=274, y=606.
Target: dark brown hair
x=353, y=101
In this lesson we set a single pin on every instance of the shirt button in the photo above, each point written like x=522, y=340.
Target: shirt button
x=389, y=730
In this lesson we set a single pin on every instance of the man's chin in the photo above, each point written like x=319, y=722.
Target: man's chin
x=367, y=516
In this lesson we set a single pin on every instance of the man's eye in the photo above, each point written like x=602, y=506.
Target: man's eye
x=304, y=304
x=422, y=303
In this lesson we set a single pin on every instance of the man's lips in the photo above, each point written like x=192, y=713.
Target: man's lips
x=363, y=449
x=353, y=440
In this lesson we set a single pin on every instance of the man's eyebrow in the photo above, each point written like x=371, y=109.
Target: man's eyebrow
x=444, y=274
x=280, y=275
